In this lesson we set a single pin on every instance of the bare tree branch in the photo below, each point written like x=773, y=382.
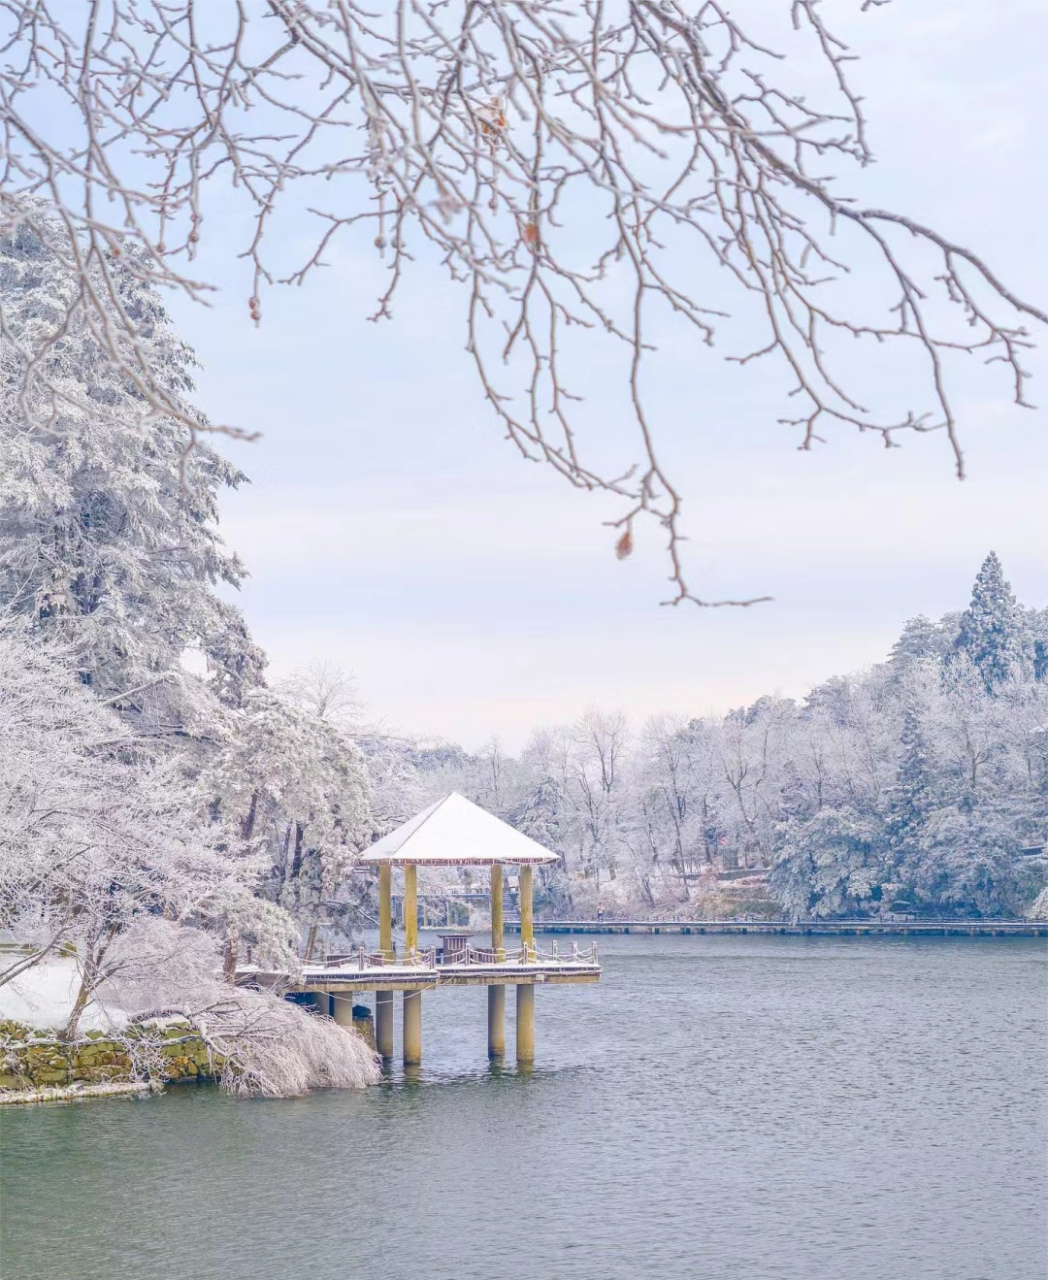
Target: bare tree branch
x=578, y=169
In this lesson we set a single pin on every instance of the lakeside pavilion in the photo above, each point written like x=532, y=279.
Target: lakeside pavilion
x=454, y=832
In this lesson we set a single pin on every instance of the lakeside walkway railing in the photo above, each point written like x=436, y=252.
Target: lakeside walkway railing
x=797, y=928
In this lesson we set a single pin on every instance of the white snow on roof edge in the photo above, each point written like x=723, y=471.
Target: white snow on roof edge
x=456, y=832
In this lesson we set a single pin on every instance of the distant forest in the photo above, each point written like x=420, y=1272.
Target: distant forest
x=918, y=787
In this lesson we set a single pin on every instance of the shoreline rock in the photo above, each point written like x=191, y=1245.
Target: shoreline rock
x=41, y=1065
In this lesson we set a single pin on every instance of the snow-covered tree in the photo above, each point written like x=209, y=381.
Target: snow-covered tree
x=911, y=782
x=755, y=762
x=580, y=171
x=268, y=1046
x=992, y=631
x=97, y=837
x=922, y=639
x=324, y=690
x=108, y=523
x=675, y=776
x=831, y=864
x=288, y=785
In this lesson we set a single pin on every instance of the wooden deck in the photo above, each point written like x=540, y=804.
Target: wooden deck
x=802, y=928
x=366, y=971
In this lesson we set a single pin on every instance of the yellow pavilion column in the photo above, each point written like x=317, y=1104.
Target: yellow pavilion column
x=526, y=992
x=410, y=912
x=384, y=999
x=496, y=993
x=412, y=999
x=385, y=910
x=527, y=915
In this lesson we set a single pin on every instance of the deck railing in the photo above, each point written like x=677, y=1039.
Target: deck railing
x=481, y=956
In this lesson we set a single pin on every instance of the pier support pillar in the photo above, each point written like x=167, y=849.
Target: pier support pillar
x=412, y=1028
x=384, y=1023
x=525, y=1023
x=321, y=1003
x=354, y=1017
x=496, y=1021
x=342, y=1008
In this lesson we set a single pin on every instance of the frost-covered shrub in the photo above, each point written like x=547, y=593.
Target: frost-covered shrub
x=268, y=1046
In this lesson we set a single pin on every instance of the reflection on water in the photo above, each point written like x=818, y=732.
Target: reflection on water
x=743, y=1108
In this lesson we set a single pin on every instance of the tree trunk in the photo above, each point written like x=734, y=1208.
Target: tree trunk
x=91, y=977
x=247, y=828
x=296, y=861
x=229, y=959
x=311, y=942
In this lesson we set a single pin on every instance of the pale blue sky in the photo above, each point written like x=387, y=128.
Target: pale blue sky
x=390, y=529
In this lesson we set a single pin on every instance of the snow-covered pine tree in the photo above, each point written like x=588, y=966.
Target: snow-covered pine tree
x=108, y=526
x=1037, y=626
x=992, y=631
x=831, y=864
x=921, y=639
x=912, y=799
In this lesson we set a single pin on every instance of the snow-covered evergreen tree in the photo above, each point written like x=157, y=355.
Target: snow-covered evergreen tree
x=108, y=524
x=921, y=640
x=913, y=796
x=831, y=864
x=992, y=632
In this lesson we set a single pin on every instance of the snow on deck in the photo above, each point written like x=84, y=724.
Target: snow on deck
x=367, y=971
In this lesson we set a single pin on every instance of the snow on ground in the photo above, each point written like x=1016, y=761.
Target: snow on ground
x=43, y=996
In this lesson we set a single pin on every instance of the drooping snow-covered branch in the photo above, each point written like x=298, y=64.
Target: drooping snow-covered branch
x=267, y=1046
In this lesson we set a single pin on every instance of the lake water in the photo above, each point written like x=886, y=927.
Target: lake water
x=738, y=1108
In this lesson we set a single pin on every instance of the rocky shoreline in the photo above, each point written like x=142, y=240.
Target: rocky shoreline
x=37, y=1066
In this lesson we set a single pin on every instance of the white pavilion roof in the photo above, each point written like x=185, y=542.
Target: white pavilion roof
x=456, y=832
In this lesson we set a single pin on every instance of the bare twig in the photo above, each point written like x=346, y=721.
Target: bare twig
x=567, y=164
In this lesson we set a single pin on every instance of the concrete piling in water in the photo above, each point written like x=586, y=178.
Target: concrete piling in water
x=496, y=1021
x=355, y=1017
x=525, y=1022
x=384, y=1023
x=342, y=1008
x=412, y=1028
